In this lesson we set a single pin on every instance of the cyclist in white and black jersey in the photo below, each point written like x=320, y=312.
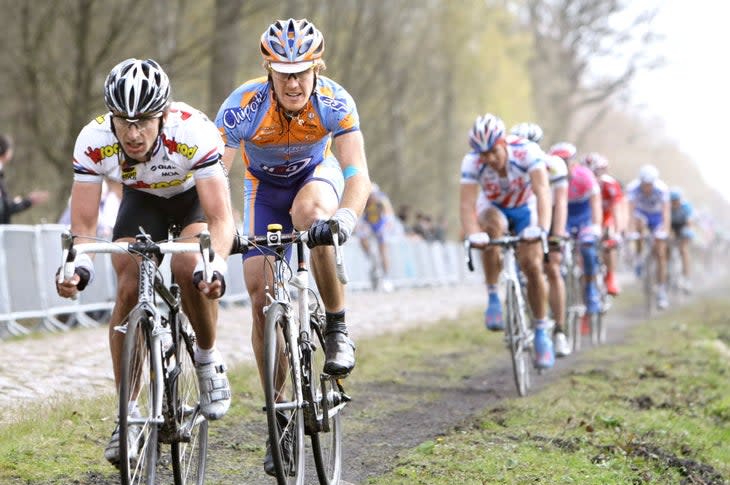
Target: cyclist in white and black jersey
x=558, y=178
x=167, y=155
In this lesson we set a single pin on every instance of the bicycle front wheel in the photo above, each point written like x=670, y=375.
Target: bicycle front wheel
x=284, y=413
x=327, y=399
x=189, y=440
x=138, y=447
x=514, y=325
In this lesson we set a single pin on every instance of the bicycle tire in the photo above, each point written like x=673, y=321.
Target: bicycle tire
x=573, y=290
x=649, y=285
x=514, y=321
x=326, y=400
x=288, y=460
x=189, y=448
x=136, y=379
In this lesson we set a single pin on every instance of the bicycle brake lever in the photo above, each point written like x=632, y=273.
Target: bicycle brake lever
x=207, y=254
x=334, y=228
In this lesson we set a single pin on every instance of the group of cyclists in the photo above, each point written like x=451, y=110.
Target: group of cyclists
x=509, y=184
x=173, y=163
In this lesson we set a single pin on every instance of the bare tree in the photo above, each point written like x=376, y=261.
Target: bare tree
x=585, y=53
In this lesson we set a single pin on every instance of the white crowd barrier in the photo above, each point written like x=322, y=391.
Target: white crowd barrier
x=31, y=255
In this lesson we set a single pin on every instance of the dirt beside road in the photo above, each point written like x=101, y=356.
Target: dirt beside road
x=77, y=362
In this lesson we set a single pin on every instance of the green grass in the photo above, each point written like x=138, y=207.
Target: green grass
x=655, y=410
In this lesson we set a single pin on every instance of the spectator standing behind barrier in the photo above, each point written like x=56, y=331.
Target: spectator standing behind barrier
x=8, y=205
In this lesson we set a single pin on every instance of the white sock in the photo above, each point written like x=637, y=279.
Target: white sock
x=206, y=356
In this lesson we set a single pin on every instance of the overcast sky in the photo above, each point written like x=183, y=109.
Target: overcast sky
x=692, y=92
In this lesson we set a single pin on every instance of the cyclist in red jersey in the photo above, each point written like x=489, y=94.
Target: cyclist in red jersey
x=614, y=215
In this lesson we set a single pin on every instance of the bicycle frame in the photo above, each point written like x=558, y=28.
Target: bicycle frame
x=313, y=400
x=146, y=318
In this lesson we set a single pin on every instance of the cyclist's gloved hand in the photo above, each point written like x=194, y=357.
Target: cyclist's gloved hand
x=84, y=268
x=320, y=235
x=479, y=239
x=218, y=266
x=532, y=232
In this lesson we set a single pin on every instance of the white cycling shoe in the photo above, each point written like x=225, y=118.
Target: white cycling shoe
x=215, y=391
x=560, y=342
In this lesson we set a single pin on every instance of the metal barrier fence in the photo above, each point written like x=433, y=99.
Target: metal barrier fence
x=31, y=254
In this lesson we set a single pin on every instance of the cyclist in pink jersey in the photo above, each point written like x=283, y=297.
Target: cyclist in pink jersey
x=504, y=187
x=286, y=125
x=584, y=219
x=558, y=178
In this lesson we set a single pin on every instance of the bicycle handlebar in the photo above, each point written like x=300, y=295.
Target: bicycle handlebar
x=504, y=241
x=143, y=246
x=275, y=238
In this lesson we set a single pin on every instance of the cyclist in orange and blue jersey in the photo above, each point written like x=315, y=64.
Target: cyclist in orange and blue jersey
x=558, y=178
x=286, y=125
x=682, y=215
x=504, y=187
x=584, y=219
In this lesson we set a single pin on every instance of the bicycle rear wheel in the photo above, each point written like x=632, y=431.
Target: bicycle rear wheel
x=189, y=442
x=284, y=413
x=649, y=285
x=514, y=325
x=138, y=447
x=327, y=399
x=573, y=313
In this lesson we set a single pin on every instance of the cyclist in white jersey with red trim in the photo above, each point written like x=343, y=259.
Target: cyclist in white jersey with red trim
x=558, y=178
x=650, y=210
x=168, y=157
x=504, y=187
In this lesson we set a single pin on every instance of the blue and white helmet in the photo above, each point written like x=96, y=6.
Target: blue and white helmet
x=485, y=133
x=675, y=193
x=531, y=131
x=648, y=174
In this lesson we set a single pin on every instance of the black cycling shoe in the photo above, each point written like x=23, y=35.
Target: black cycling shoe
x=339, y=354
x=269, y=467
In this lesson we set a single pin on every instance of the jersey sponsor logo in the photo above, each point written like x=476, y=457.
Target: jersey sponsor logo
x=333, y=103
x=235, y=116
x=287, y=169
x=160, y=185
x=129, y=173
x=173, y=146
x=519, y=154
x=99, y=154
x=100, y=119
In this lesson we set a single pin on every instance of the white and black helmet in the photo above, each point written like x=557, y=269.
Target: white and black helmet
x=531, y=131
x=136, y=89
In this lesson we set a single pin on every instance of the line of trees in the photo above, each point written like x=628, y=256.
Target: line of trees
x=420, y=71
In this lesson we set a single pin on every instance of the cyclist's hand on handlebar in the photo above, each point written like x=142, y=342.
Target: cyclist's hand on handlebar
x=532, y=233
x=217, y=287
x=82, y=276
x=320, y=235
x=478, y=239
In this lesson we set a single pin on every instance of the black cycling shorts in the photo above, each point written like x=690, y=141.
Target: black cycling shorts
x=155, y=214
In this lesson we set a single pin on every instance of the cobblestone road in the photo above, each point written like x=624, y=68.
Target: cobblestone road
x=77, y=362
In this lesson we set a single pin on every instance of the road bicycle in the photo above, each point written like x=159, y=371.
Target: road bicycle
x=157, y=367
x=301, y=399
x=646, y=269
x=518, y=336
x=574, y=307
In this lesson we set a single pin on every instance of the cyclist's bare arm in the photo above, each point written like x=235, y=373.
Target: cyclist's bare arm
x=85, y=200
x=228, y=155
x=541, y=188
x=215, y=201
x=350, y=149
x=596, y=209
x=560, y=210
x=467, y=209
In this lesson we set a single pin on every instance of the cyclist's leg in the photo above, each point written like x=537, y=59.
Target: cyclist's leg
x=494, y=223
x=530, y=256
x=318, y=199
x=556, y=299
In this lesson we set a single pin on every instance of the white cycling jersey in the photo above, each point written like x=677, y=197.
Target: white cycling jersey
x=188, y=148
x=653, y=203
x=514, y=190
